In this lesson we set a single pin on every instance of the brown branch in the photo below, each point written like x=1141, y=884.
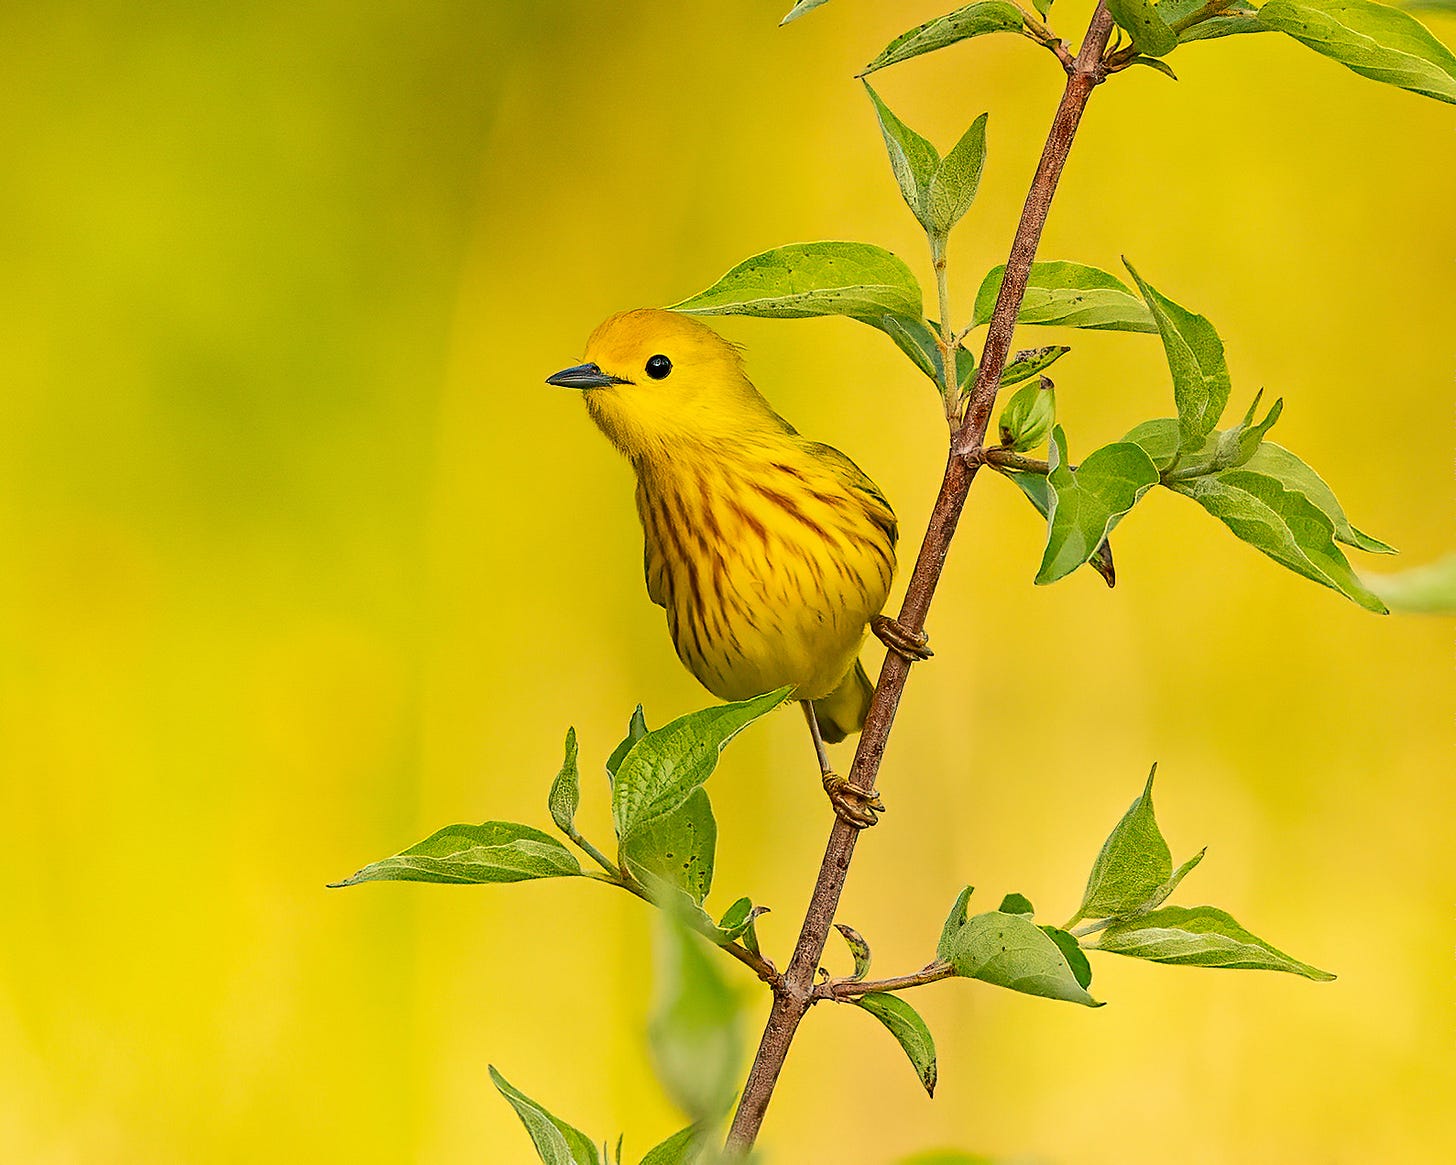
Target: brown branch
x=795, y=991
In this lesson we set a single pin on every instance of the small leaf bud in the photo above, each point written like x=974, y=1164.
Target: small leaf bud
x=1028, y=416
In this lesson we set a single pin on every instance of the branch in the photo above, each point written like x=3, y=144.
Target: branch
x=794, y=993
x=999, y=458
x=840, y=990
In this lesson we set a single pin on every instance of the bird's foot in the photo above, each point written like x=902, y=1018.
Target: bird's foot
x=852, y=805
x=911, y=645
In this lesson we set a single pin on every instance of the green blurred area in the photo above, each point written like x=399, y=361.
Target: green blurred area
x=301, y=561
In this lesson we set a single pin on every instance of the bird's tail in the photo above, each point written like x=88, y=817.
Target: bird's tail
x=843, y=710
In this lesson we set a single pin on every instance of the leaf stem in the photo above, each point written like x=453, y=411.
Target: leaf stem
x=755, y=962
x=794, y=992
x=948, y=342
x=1045, y=37
x=591, y=851
x=1091, y=928
x=839, y=990
x=998, y=458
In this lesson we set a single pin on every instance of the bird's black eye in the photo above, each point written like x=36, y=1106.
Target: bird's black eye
x=658, y=367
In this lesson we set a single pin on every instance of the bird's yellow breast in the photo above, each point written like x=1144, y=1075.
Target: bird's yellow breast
x=770, y=558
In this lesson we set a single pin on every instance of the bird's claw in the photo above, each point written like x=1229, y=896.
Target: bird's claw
x=852, y=805
x=911, y=645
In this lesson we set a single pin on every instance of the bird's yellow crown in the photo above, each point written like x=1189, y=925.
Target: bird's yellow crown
x=680, y=386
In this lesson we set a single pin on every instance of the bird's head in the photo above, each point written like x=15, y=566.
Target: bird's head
x=659, y=383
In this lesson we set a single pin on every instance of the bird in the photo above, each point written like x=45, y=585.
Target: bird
x=772, y=554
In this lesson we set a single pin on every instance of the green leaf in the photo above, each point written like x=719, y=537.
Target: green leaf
x=914, y=337
x=1017, y=904
x=913, y=159
x=1235, y=18
x=1030, y=362
x=1373, y=40
x=663, y=768
x=1199, y=936
x=952, y=187
x=1195, y=358
x=496, y=851
x=1071, y=951
x=678, y=1148
x=1166, y=890
x=1141, y=21
x=904, y=1023
x=1221, y=449
x=636, y=730
x=1277, y=462
x=1235, y=446
x=557, y=1143
x=1027, y=417
x=813, y=279
x=799, y=10
x=1422, y=590
x=1132, y=866
x=566, y=789
x=1281, y=522
x=1158, y=439
x=1070, y=295
x=1087, y=503
x=1009, y=950
x=738, y=923
x=693, y=1032
x=1157, y=65
x=737, y=919
x=750, y=932
x=962, y=24
x=1240, y=19
x=859, y=950
x=676, y=848
x=1042, y=7
x=1035, y=489
x=955, y=920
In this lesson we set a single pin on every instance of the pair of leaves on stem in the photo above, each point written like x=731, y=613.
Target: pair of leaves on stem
x=1130, y=880
x=666, y=838
x=1264, y=494
x=664, y=825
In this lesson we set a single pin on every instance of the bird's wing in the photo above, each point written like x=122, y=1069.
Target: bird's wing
x=857, y=480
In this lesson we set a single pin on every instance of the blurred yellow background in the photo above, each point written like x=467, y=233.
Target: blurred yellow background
x=300, y=560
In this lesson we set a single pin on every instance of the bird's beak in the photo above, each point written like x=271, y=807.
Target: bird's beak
x=584, y=376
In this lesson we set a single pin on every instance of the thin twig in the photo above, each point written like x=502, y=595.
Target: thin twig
x=591, y=851
x=998, y=458
x=760, y=965
x=795, y=991
x=842, y=989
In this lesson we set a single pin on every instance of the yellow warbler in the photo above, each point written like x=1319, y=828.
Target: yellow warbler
x=772, y=554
